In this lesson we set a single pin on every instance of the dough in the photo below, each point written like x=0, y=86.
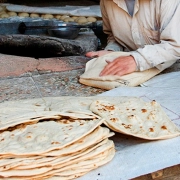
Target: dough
x=74, y=17
x=81, y=20
x=57, y=16
x=91, y=19
x=11, y=13
x=64, y=17
x=4, y=15
x=1, y=8
x=23, y=14
x=34, y=15
x=3, y=12
x=68, y=19
x=48, y=16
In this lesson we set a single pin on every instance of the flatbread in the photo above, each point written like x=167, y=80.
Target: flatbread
x=91, y=139
x=30, y=117
x=66, y=162
x=28, y=172
x=93, y=68
x=40, y=139
x=145, y=120
x=60, y=145
x=43, y=137
x=34, y=161
x=33, y=110
x=74, y=104
x=94, y=155
x=53, y=161
x=81, y=167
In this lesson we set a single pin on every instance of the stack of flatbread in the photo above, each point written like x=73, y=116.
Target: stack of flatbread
x=40, y=144
x=62, y=137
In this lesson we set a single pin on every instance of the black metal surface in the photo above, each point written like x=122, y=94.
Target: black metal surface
x=10, y=26
x=63, y=28
x=64, y=33
x=14, y=43
x=39, y=26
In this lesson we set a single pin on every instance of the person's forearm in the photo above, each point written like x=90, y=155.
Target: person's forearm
x=160, y=56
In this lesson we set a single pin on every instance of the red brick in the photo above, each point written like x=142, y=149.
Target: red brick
x=13, y=66
x=16, y=65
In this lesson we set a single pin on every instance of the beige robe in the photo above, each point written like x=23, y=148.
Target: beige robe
x=151, y=34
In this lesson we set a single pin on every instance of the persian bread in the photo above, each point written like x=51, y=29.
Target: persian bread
x=32, y=110
x=64, y=166
x=29, y=172
x=33, y=162
x=145, y=120
x=100, y=149
x=45, y=136
x=33, y=117
x=95, y=157
x=85, y=162
x=93, y=68
x=89, y=164
x=17, y=118
x=96, y=138
x=71, y=159
x=84, y=165
x=91, y=139
x=30, y=163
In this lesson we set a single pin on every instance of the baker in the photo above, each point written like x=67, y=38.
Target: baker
x=148, y=29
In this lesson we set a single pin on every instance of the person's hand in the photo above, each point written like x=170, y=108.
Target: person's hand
x=93, y=54
x=119, y=66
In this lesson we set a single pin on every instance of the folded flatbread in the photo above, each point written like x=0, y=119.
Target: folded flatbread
x=145, y=120
x=93, y=68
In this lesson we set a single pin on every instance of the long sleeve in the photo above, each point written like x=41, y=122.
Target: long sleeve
x=111, y=42
x=165, y=53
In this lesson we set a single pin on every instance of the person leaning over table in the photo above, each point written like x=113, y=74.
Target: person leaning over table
x=149, y=29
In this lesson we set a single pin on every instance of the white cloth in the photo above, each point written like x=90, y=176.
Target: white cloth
x=93, y=68
x=93, y=10
x=135, y=157
x=151, y=34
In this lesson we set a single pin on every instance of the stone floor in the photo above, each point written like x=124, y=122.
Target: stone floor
x=22, y=78
x=26, y=77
